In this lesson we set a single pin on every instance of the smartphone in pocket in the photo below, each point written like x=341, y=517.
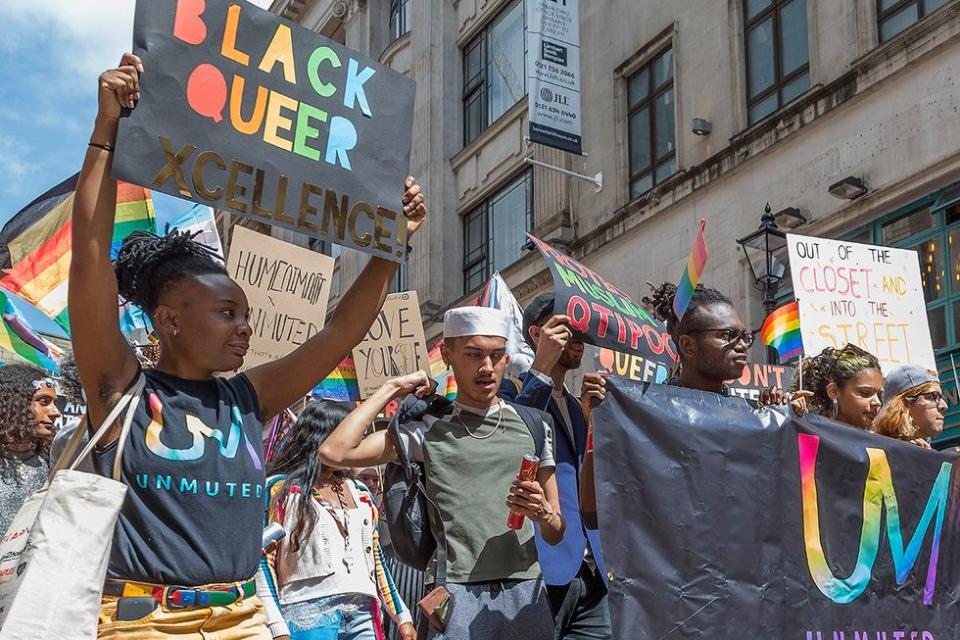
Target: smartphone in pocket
x=135, y=608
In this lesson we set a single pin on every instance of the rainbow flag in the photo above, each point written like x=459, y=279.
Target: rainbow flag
x=35, y=243
x=17, y=337
x=691, y=273
x=781, y=330
x=340, y=385
x=439, y=371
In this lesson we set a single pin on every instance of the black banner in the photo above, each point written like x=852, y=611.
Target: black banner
x=244, y=110
x=607, y=316
x=722, y=521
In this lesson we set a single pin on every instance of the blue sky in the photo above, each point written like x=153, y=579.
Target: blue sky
x=53, y=51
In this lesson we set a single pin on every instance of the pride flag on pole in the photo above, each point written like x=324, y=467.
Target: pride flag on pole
x=781, y=330
x=696, y=264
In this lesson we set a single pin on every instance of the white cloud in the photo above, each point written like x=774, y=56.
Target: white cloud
x=85, y=36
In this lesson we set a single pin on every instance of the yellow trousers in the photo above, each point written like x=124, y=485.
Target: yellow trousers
x=243, y=620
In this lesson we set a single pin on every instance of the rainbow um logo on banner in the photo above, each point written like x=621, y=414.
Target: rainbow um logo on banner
x=879, y=497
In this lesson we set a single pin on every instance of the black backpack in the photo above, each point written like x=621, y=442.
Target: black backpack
x=405, y=496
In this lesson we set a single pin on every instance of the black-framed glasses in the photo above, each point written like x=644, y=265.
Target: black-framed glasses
x=935, y=397
x=731, y=336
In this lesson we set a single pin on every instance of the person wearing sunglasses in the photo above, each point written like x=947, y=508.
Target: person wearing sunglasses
x=913, y=406
x=711, y=338
x=844, y=384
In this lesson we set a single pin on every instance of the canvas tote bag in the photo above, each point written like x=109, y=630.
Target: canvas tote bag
x=53, y=559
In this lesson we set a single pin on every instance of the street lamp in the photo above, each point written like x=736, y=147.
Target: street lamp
x=765, y=251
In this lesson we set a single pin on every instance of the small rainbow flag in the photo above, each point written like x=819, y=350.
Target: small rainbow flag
x=781, y=330
x=439, y=371
x=17, y=337
x=691, y=273
x=340, y=385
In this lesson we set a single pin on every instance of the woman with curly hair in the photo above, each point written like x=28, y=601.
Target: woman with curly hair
x=845, y=384
x=327, y=579
x=188, y=538
x=913, y=406
x=28, y=412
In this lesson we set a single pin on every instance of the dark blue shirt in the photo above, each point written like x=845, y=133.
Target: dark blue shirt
x=193, y=465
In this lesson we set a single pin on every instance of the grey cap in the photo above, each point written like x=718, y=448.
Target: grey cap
x=904, y=378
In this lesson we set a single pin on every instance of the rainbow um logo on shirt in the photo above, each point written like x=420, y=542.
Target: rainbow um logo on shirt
x=226, y=445
x=879, y=498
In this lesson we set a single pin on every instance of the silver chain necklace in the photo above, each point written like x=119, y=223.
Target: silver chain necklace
x=493, y=431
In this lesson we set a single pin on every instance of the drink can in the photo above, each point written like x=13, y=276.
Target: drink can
x=528, y=471
x=272, y=533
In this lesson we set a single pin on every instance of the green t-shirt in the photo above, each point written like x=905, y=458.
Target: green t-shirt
x=469, y=479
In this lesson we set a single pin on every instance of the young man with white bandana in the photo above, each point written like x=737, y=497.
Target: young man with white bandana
x=471, y=456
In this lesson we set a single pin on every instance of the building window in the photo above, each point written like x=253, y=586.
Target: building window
x=493, y=71
x=778, y=59
x=322, y=246
x=399, y=282
x=896, y=15
x=399, y=18
x=495, y=231
x=650, y=122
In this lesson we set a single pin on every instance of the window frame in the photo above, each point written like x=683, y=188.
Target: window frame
x=400, y=9
x=648, y=102
x=780, y=81
x=484, y=254
x=478, y=87
x=883, y=15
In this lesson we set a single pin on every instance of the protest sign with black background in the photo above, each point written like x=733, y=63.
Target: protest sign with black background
x=720, y=521
x=243, y=110
x=607, y=316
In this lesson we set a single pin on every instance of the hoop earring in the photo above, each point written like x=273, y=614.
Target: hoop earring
x=835, y=409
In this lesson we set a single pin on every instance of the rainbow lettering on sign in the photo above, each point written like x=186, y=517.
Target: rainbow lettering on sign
x=878, y=497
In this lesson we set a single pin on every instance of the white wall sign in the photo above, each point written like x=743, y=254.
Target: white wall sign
x=553, y=73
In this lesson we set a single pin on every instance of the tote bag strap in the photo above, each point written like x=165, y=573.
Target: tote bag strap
x=129, y=402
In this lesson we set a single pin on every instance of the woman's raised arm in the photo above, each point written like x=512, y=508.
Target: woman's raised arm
x=105, y=362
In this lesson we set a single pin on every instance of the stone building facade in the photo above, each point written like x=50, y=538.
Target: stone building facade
x=798, y=94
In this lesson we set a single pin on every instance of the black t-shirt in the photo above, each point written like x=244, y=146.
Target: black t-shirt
x=193, y=465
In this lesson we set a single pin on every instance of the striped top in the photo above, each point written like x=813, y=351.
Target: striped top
x=271, y=575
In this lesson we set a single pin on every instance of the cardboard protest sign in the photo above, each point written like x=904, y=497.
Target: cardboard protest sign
x=394, y=345
x=287, y=288
x=867, y=295
x=756, y=376
x=606, y=315
x=243, y=110
x=725, y=522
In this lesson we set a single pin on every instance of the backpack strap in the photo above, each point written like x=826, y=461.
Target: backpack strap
x=409, y=409
x=534, y=419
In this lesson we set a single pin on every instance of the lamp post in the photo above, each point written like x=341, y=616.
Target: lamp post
x=764, y=249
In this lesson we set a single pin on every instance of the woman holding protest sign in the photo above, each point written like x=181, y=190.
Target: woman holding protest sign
x=913, y=407
x=188, y=539
x=844, y=384
x=328, y=578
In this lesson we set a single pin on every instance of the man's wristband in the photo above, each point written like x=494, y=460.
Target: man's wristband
x=106, y=147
